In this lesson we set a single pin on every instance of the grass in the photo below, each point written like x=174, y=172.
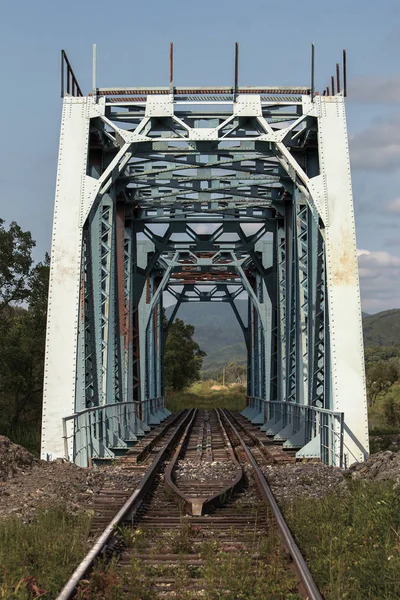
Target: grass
x=201, y=395
x=37, y=558
x=351, y=542
x=235, y=575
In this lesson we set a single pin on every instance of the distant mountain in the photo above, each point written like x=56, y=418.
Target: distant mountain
x=382, y=329
x=218, y=332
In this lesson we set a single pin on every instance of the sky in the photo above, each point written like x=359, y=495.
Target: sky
x=133, y=49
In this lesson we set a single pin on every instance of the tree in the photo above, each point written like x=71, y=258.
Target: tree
x=380, y=353
x=380, y=377
x=39, y=289
x=15, y=264
x=183, y=357
x=23, y=333
x=234, y=373
x=391, y=407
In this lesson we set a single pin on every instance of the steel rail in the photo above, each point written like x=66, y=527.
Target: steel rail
x=300, y=564
x=145, y=451
x=130, y=505
x=197, y=506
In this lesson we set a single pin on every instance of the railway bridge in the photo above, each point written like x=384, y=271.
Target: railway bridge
x=208, y=194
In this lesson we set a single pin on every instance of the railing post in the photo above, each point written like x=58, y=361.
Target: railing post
x=64, y=427
x=341, y=423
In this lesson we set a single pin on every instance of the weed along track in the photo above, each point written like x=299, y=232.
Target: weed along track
x=201, y=523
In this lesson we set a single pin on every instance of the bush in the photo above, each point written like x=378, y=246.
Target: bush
x=391, y=406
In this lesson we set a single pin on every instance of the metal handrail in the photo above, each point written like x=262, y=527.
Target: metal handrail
x=339, y=416
x=115, y=412
x=73, y=88
x=308, y=406
x=105, y=406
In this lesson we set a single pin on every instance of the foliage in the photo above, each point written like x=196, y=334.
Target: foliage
x=233, y=373
x=183, y=357
x=15, y=265
x=380, y=376
x=351, y=541
x=381, y=443
x=22, y=331
x=26, y=433
x=217, y=332
x=40, y=555
x=377, y=353
x=382, y=329
x=392, y=406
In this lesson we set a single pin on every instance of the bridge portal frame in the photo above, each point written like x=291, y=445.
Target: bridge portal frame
x=278, y=157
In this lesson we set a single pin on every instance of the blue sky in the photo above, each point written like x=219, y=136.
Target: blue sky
x=133, y=43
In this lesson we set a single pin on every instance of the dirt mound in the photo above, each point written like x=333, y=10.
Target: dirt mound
x=304, y=480
x=28, y=484
x=314, y=480
x=379, y=466
x=14, y=459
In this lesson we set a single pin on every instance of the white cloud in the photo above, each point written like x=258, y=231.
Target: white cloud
x=377, y=148
x=393, y=206
x=375, y=89
x=379, y=280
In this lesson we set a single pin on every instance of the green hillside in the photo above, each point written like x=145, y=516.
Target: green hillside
x=217, y=331
x=382, y=329
x=219, y=335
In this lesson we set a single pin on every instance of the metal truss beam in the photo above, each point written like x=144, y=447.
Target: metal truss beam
x=207, y=194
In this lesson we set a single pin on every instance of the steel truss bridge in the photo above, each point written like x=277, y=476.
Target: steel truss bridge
x=207, y=194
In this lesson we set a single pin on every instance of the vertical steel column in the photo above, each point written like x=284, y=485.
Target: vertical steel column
x=150, y=374
x=291, y=304
x=302, y=300
x=159, y=391
x=135, y=340
x=346, y=357
x=282, y=310
x=319, y=397
x=65, y=277
x=313, y=232
x=87, y=390
x=273, y=293
x=249, y=350
x=260, y=344
x=128, y=316
x=80, y=394
x=253, y=349
x=111, y=284
x=120, y=302
x=102, y=257
x=268, y=310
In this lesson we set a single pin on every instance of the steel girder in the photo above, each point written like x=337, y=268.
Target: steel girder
x=206, y=197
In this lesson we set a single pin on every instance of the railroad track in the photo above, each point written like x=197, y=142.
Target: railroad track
x=201, y=511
